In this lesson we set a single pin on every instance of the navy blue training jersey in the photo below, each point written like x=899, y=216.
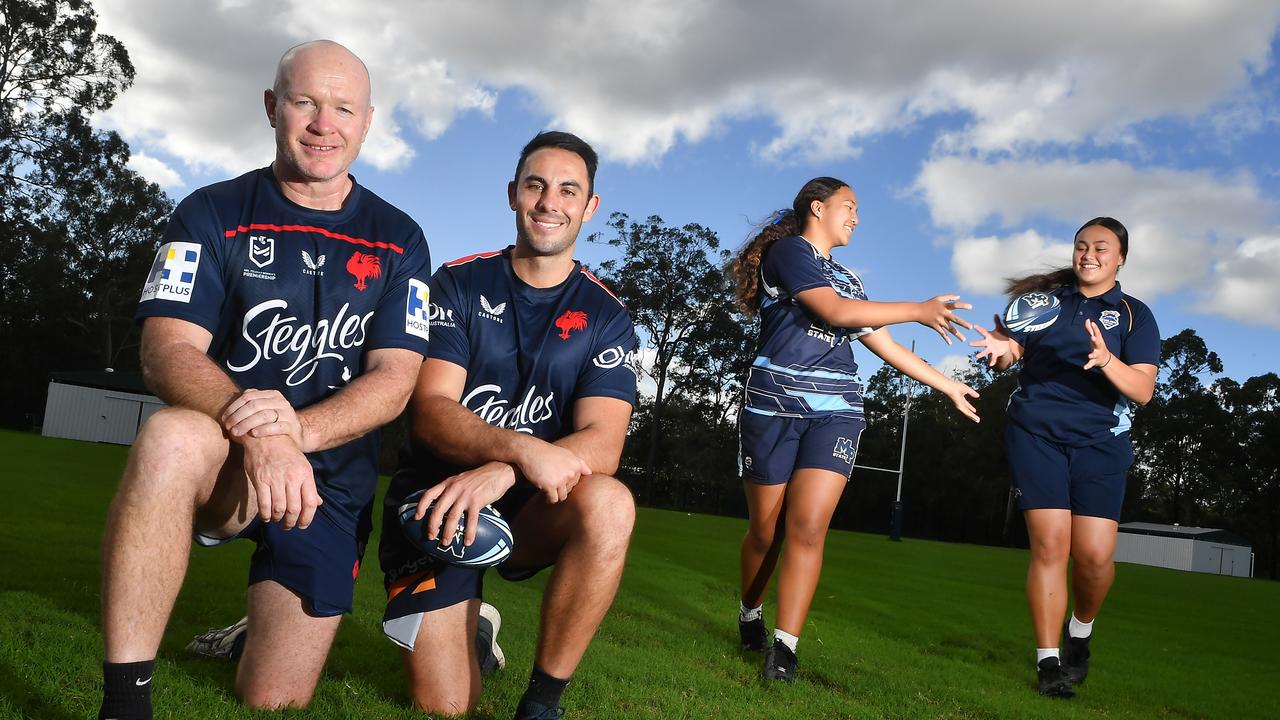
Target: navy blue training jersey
x=294, y=297
x=804, y=367
x=1057, y=398
x=529, y=352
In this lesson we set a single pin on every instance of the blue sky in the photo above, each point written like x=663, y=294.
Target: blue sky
x=978, y=135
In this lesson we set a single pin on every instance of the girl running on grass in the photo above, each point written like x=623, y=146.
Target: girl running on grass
x=1089, y=356
x=802, y=416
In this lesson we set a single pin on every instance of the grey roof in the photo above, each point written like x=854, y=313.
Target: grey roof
x=122, y=380
x=1222, y=537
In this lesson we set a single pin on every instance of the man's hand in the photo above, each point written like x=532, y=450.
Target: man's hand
x=262, y=413
x=282, y=481
x=464, y=493
x=552, y=469
x=939, y=314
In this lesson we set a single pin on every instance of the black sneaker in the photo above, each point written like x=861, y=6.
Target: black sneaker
x=529, y=710
x=753, y=635
x=1053, y=682
x=490, y=655
x=1075, y=659
x=780, y=663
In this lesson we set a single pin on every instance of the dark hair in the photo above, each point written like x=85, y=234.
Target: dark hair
x=564, y=141
x=746, y=265
x=1065, y=277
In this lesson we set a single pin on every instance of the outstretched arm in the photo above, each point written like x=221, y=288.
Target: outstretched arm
x=936, y=313
x=1000, y=350
x=882, y=344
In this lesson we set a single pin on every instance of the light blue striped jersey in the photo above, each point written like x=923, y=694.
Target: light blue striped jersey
x=803, y=367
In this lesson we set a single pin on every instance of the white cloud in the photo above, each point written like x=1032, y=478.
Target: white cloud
x=636, y=78
x=956, y=367
x=1180, y=222
x=981, y=264
x=155, y=170
x=1244, y=285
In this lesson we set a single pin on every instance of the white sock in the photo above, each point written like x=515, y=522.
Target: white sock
x=786, y=638
x=1077, y=629
x=1042, y=653
x=746, y=614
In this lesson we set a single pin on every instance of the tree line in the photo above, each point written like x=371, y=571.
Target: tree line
x=80, y=230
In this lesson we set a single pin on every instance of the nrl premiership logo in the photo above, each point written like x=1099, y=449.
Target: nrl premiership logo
x=262, y=250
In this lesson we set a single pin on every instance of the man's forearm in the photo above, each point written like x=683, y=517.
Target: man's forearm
x=365, y=404
x=184, y=376
x=596, y=448
x=460, y=436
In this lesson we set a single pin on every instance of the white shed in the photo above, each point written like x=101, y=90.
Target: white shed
x=97, y=406
x=1197, y=549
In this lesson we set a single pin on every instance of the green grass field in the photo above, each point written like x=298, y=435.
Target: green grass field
x=898, y=630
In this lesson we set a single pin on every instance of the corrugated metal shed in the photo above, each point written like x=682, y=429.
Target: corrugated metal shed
x=97, y=406
x=1195, y=549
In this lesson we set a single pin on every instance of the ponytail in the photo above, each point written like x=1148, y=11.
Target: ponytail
x=745, y=267
x=1066, y=277
x=1040, y=282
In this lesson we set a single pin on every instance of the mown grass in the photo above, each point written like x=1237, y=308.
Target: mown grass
x=898, y=630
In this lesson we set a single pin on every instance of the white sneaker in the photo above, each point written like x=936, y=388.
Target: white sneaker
x=226, y=643
x=490, y=655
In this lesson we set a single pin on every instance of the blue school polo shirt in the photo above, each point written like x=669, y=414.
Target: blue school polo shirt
x=1056, y=398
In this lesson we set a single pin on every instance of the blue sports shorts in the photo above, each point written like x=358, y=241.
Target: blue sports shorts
x=772, y=447
x=319, y=563
x=1087, y=480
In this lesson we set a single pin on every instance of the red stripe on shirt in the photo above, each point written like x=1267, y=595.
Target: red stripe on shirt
x=309, y=228
x=469, y=258
x=604, y=287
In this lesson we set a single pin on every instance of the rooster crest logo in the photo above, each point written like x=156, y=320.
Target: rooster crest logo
x=571, y=320
x=364, y=266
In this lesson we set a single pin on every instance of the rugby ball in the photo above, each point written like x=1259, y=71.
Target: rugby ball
x=1031, y=312
x=492, y=545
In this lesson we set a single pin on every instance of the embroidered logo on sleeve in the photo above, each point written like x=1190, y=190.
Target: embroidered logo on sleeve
x=417, y=314
x=173, y=274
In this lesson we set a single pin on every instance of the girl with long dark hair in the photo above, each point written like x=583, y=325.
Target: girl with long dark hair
x=802, y=416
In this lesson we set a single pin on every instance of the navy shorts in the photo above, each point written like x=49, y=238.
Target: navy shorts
x=772, y=447
x=417, y=583
x=319, y=563
x=1087, y=480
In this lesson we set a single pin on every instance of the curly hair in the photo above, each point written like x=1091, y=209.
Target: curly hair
x=784, y=223
x=1065, y=277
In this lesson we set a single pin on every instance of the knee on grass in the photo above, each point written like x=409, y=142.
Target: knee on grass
x=433, y=703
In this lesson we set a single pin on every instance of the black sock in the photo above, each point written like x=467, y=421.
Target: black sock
x=544, y=689
x=126, y=690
